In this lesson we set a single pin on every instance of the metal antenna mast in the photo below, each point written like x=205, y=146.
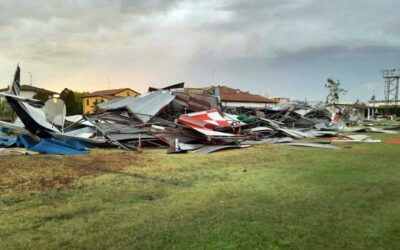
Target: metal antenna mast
x=392, y=78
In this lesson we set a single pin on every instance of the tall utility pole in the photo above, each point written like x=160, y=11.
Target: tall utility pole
x=392, y=78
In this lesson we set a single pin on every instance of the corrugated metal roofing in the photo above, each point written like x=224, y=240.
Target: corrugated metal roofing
x=143, y=107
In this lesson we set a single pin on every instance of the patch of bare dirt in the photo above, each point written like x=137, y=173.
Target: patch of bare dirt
x=47, y=172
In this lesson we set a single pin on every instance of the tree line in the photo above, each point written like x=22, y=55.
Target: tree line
x=72, y=100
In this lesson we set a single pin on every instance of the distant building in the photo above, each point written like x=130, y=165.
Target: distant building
x=377, y=103
x=280, y=99
x=233, y=98
x=198, y=91
x=29, y=91
x=381, y=106
x=90, y=100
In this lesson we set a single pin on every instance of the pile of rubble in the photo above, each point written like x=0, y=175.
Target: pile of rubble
x=161, y=118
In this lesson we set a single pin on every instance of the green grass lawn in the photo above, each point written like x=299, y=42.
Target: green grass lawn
x=263, y=197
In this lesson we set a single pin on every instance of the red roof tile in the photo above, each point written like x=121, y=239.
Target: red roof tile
x=235, y=95
x=107, y=93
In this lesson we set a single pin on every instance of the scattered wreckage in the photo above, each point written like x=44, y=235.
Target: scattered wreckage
x=163, y=118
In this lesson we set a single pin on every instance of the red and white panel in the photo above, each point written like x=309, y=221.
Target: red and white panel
x=205, y=122
x=211, y=117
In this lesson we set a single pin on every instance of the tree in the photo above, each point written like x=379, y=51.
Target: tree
x=41, y=96
x=79, y=100
x=68, y=96
x=96, y=109
x=335, y=90
x=6, y=112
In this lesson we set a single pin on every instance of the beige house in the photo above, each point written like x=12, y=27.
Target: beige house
x=90, y=100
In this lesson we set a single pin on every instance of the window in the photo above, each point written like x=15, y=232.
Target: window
x=87, y=102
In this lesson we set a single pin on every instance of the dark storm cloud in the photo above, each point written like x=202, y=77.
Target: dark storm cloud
x=167, y=41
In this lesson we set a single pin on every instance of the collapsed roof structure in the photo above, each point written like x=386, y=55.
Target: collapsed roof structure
x=167, y=117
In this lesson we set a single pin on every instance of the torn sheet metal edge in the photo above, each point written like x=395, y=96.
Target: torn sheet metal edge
x=77, y=119
x=210, y=149
x=180, y=85
x=85, y=132
x=94, y=141
x=393, y=127
x=357, y=137
x=347, y=129
x=349, y=140
x=376, y=130
x=319, y=133
x=268, y=141
x=116, y=104
x=294, y=133
x=209, y=132
x=277, y=123
x=313, y=145
x=257, y=130
x=188, y=146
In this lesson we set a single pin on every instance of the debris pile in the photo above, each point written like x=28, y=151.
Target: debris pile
x=165, y=117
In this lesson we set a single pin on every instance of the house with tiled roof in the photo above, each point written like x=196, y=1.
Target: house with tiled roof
x=29, y=91
x=231, y=97
x=91, y=99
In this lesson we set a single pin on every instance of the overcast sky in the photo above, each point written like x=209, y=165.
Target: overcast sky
x=281, y=48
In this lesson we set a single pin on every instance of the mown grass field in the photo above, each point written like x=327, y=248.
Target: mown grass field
x=264, y=197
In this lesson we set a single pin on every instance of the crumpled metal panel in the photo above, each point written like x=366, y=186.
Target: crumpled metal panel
x=117, y=103
x=55, y=111
x=120, y=128
x=197, y=102
x=210, y=149
x=147, y=106
x=143, y=107
x=169, y=135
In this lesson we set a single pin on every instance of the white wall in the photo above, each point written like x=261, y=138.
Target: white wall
x=245, y=104
x=381, y=103
x=27, y=94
